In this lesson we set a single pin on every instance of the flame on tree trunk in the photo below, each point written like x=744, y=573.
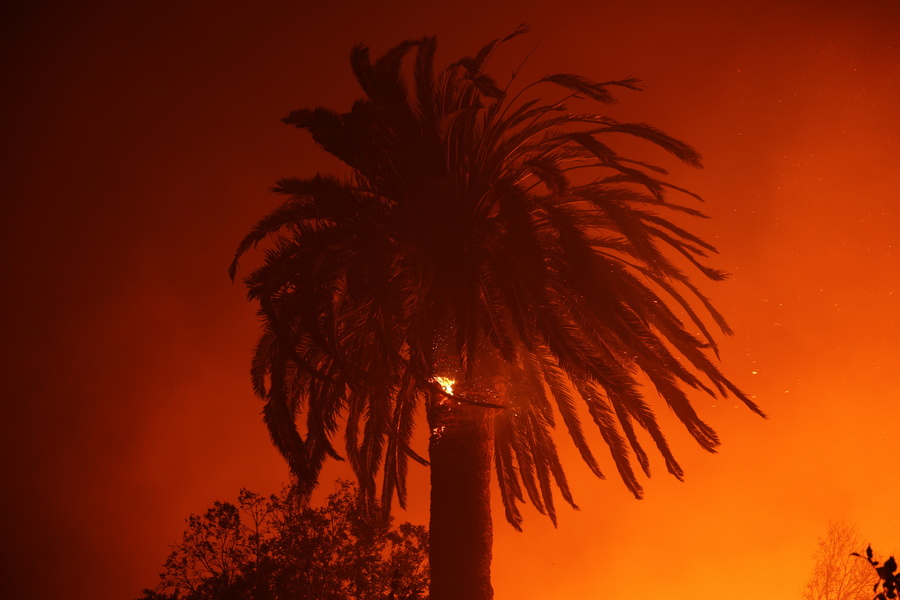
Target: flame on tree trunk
x=461, y=535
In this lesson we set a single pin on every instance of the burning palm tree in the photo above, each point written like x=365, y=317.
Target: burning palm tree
x=490, y=260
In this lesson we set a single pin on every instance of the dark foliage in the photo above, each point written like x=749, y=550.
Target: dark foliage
x=889, y=577
x=274, y=549
x=482, y=231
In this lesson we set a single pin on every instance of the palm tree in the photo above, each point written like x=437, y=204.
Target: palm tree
x=491, y=260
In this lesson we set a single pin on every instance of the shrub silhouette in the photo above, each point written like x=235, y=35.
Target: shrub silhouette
x=889, y=578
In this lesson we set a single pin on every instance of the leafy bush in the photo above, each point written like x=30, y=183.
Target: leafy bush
x=273, y=549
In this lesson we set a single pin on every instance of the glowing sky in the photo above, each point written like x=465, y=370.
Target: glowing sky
x=139, y=143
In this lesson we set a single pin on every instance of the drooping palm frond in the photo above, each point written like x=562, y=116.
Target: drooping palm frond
x=480, y=228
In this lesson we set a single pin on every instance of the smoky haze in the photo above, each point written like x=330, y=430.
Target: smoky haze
x=141, y=140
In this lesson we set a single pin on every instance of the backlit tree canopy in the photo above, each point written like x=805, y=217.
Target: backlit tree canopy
x=837, y=575
x=488, y=233
x=273, y=549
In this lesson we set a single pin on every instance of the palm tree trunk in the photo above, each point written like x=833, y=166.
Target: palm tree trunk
x=461, y=533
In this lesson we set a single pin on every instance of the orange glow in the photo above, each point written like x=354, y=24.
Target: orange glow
x=142, y=139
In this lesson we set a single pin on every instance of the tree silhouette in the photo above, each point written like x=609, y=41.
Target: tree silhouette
x=273, y=549
x=836, y=574
x=491, y=260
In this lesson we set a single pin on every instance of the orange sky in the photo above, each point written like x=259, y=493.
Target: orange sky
x=140, y=140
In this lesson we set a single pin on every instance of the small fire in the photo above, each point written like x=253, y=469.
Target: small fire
x=446, y=383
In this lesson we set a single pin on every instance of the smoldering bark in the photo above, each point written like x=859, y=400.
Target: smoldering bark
x=461, y=533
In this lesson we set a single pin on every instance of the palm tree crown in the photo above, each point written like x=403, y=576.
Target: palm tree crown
x=481, y=232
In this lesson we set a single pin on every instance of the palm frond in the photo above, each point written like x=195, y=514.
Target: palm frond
x=681, y=150
x=585, y=87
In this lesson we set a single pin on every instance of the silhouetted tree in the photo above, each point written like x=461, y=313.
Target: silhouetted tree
x=837, y=575
x=491, y=259
x=272, y=549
